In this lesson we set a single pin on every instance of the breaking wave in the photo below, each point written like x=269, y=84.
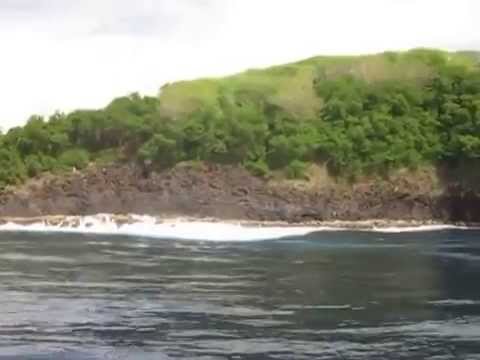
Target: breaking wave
x=208, y=230
x=153, y=227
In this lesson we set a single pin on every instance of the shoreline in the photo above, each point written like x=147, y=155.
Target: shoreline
x=120, y=220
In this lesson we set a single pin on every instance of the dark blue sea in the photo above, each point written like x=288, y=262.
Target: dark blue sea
x=327, y=295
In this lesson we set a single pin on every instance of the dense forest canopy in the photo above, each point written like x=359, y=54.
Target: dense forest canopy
x=360, y=115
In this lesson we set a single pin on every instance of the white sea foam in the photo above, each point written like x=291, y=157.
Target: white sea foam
x=420, y=228
x=139, y=225
x=171, y=229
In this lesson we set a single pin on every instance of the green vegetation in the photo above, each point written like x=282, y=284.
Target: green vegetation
x=359, y=115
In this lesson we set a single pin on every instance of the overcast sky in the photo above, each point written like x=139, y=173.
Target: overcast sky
x=66, y=54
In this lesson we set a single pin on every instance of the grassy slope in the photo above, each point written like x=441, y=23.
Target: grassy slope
x=290, y=86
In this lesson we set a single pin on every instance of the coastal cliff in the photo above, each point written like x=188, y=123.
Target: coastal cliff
x=393, y=136
x=232, y=193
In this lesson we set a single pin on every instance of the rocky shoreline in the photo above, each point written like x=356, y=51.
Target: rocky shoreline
x=73, y=222
x=228, y=193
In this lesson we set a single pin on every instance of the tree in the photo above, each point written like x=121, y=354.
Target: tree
x=12, y=169
x=160, y=150
x=74, y=158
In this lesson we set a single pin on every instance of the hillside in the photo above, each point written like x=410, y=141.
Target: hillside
x=291, y=87
x=357, y=116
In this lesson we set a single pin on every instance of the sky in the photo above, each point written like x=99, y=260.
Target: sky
x=61, y=55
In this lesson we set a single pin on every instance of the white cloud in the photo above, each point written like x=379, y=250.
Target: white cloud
x=65, y=55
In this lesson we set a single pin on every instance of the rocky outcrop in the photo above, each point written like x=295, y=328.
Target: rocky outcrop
x=228, y=192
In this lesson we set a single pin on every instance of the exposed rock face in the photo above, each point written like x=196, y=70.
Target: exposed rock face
x=227, y=192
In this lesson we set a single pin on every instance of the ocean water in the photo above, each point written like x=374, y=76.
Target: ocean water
x=322, y=295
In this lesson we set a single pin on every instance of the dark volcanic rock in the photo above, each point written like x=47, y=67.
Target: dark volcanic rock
x=227, y=192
